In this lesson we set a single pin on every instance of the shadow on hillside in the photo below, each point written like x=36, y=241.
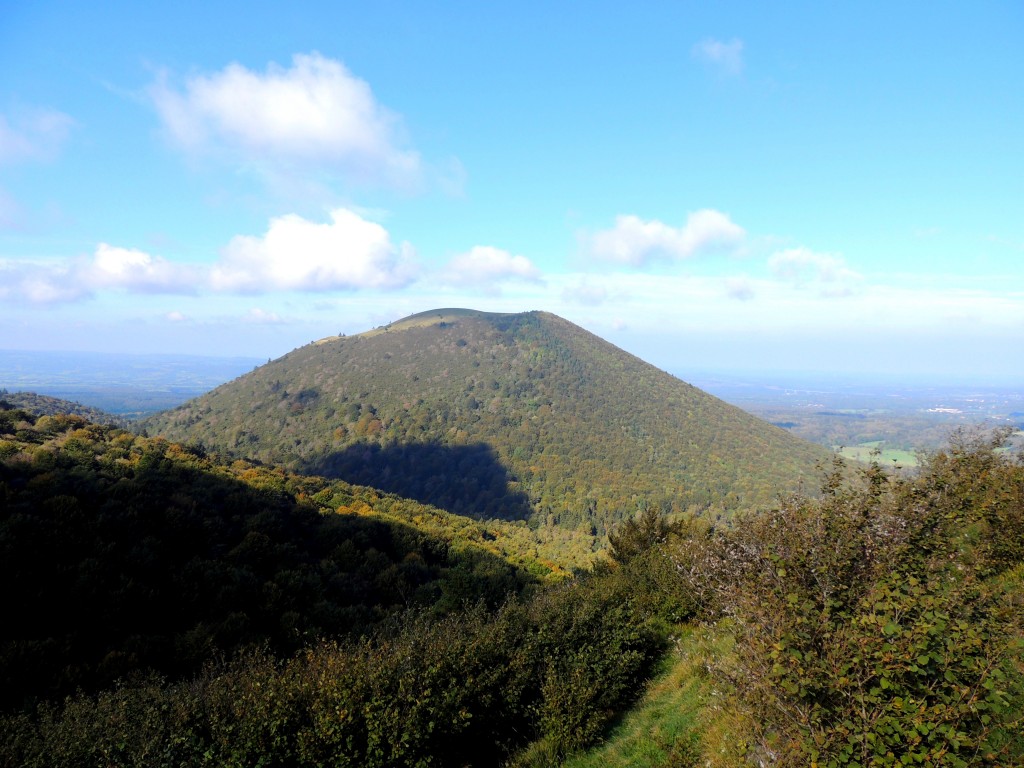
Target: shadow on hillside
x=467, y=480
x=164, y=565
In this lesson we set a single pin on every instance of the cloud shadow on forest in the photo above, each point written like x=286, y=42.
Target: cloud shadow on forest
x=466, y=480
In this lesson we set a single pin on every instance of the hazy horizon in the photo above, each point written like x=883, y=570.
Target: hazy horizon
x=34, y=366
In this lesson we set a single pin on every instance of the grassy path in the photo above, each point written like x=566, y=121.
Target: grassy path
x=663, y=728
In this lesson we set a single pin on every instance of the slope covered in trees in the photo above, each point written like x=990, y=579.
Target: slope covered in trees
x=120, y=553
x=44, y=405
x=521, y=416
x=163, y=609
x=879, y=623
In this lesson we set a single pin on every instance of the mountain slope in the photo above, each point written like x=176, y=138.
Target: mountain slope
x=44, y=405
x=518, y=416
x=123, y=553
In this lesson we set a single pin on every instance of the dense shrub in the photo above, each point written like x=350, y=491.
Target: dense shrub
x=465, y=689
x=873, y=626
x=120, y=554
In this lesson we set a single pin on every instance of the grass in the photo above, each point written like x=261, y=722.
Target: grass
x=873, y=451
x=663, y=728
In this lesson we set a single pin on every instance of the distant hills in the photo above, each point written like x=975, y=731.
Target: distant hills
x=514, y=416
x=128, y=385
x=44, y=405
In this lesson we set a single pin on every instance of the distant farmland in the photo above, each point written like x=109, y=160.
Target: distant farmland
x=874, y=451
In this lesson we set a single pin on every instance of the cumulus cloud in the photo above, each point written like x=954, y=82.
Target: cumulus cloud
x=635, y=242
x=295, y=254
x=33, y=135
x=41, y=282
x=486, y=268
x=726, y=57
x=52, y=282
x=136, y=271
x=312, y=113
x=826, y=271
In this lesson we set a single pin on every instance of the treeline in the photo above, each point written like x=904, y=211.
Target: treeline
x=894, y=430
x=44, y=405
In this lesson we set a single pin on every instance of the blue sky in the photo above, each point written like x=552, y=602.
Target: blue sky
x=768, y=187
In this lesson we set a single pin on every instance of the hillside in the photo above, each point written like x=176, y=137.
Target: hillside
x=877, y=624
x=162, y=608
x=514, y=416
x=148, y=555
x=44, y=405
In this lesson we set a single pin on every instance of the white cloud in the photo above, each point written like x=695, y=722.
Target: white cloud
x=635, y=242
x=41, y=282
x=34, y=134
x=176, y=317
x=485, y=267
x=828, y=272
x=295, y=254
x=315, y=112
x=726, y=57
x=136, y=271
x=66, y=280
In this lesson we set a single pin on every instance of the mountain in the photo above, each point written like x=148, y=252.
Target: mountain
x=515, y=416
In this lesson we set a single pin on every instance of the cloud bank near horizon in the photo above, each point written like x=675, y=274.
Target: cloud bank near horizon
x=294, y=255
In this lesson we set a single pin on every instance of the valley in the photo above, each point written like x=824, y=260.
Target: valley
x=899, y=419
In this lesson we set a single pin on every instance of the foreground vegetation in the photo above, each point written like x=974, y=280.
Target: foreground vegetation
x=122, y=553
x=463, y=690
x=879, y=623
x=165, y=609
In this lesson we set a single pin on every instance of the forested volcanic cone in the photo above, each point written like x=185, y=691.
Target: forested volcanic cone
x=515, y=416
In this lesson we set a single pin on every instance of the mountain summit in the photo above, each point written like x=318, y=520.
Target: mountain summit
x=518, y=416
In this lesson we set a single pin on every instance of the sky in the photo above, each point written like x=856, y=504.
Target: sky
x=711, y=186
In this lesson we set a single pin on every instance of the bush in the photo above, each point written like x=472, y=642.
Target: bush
x=465, y=689
x=870, y=627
